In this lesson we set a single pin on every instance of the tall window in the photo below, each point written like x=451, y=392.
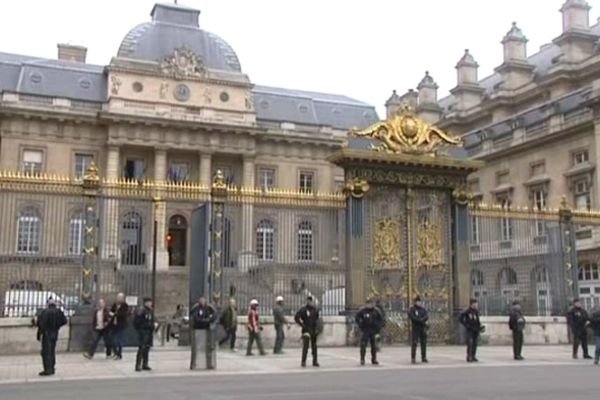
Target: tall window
x=538, y=168
x=28, y=231
x=306, y=182
x=580, y=157
x=32, y=161
x=583, y=199
x=76, y=227
x=542, y=289
x=539, y=203
x=131, y=239
x=82, y=162
x=478, y=289
x=177, y=240
x=134, y=169
x=305, y=241
x=506, y=228
x=266, y=178
x=589, y=284
x=265, y=233
x=178, y=172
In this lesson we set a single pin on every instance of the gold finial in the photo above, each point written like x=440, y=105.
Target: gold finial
x=462, y=196
x=219, y=181
x=356, y=188
x=563, y=203
x=91, y=179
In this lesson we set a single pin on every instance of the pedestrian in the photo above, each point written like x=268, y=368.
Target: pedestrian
x=49, y=322
x=254, y=329
x=596, y=327
x=229, y=323
x=369, y=321
x=144, y=325
x=516, y=323
x=379, y=306
x=469, y=318
x=419, y=322
x=578, y=319
x=101, y=328
x=308, y=319
x=279, y=321
x=119, y=313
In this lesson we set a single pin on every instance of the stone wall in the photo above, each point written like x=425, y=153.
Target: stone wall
x=538, y=330
x=18, y=336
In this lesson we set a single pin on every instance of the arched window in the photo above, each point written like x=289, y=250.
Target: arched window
x=305, y=241
x=177, y=240
x=131, y=239
x=265, y=233
x=76, y=229
x=28, y=231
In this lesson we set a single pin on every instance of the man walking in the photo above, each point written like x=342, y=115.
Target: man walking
x=308, y=318
x=516, y=323
x=144, y=325
x=49, y=322
x=469, y=318
x=418, y=317
x=578, y=319
x=254, y=329
x=119, y=313
x=101, y=327
x=369, y=321
x=228, y=321
x=596, y=328
x=279, y=321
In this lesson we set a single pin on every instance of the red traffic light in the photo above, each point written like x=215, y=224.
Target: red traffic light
x=169, y=238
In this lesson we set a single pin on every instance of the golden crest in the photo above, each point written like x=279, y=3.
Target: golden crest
x=386, y=244
x=406, y=133
x=429, y=243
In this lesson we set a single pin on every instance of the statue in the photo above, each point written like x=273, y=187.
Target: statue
x=115, y=84
x=164, y=87
x=183, y=63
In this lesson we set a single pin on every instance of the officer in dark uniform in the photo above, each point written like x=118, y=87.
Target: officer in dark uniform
x=144, y=325
x=516, y=323
x=577, y=319
x=469, y=318
x=308, y=318
x=369, y=320
x=418, y=317
x=49, y=322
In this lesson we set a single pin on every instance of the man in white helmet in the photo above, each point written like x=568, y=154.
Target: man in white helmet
x=279, y=321
x=254, y=329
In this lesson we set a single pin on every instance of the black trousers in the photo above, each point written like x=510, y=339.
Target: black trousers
x=49, y=351
x=580, y=338
x=368, y=338
x=472, y=338
x=517, y=342
x=103, y=334
x=309, y=338
x=230, y=335
x=144, y=345
x=279, y=338
x=418, y=336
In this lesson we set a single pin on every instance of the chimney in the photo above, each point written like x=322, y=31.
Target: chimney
x=575, y=15
x=577, y=40
x=515, y=70
x=392, y=105
x=467, y=92
x=427, y=107
x=69, y=52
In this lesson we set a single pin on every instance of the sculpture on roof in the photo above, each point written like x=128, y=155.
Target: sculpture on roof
x=183, y=63
x=406, y=133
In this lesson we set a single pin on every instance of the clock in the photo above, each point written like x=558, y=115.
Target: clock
x=181, y=92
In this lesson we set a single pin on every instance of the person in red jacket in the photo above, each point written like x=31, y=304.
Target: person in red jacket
x=254, y=329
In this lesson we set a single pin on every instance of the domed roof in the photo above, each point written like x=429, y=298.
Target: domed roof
x=174, y=27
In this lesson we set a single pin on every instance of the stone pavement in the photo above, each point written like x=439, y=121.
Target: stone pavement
x=174, y=362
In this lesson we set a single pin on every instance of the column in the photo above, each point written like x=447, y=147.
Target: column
x=112, y=163
x=246, y=256
x=205, y=169
x=162, y=256
x=160, y=165
x=109, y=210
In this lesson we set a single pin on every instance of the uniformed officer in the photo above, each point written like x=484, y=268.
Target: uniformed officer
x=577, y=319
x=418, y=317
x=49, y=322
x=308, y=318
x=469, y=318
x=516, y=323
x=369, y=320
x=144, y=325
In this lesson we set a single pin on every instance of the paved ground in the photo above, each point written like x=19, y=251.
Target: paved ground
x=548, y=373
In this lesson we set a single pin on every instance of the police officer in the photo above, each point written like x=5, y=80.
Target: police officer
x=144, y=325
x=279, y=321
x=49, y=322
x=577, y=319
x=418, y=317
x=369, y=320
x=516, y=323
x=308, y=319
x=469, y=318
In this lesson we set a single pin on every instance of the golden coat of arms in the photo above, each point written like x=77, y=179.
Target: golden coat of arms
x=429, y=243
x=386, y=243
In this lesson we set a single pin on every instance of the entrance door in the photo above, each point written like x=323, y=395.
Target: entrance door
x=177, y=240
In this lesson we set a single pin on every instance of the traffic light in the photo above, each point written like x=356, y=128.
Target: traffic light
x=169, y=239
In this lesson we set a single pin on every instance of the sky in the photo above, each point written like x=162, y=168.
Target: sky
x=359, y=48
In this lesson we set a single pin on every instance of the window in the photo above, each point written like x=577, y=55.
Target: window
x=131, y=239
x=580, y=157
x=502, y=178
x=538, y=168
x=477, y=278
x=28, y=231
x=82, y=162
x=474, y=230
x=266, y=178
x=583, y=199
x=588, y=272
x=306, y=182
x=178, y=172
x=305, y=241
x=506, y=229
x=508, y=276
x=539, y=203
x=134, y=169
x=76, y=229
x=264, y=240
x=32, y=161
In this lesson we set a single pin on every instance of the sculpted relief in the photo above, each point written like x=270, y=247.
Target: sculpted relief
x=183, y=63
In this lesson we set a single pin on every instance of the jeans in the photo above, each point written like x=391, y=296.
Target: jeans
x=117, y=338
x=103, y=334
x=597, y=354
x=279, y=338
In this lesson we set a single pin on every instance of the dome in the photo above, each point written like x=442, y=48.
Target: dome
x=173, y=27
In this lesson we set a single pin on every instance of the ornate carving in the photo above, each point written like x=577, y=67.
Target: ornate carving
x=462, y=196
x=207, y=96
x=406, y=133
x=115, y=84
x=408, y=178
x=429, y=243
x=248, y=102
x=164, y=88
x=386, y=243
x=356, y=188
x=219, y=181
x=91, y=180
x=183, y=63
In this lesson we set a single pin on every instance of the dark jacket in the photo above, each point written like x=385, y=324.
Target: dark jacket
x=308, y=318
x=105, y=319
x=596, y=323
x=516, y=321
x=369, y=320
x=279, y=316
x=577, y=317
x=469, y=318
x=120, y=315
x=50, y=321
x=418, y=317
x=229, y=319
x=203, y=316
x=381, y=310
x=143, y=321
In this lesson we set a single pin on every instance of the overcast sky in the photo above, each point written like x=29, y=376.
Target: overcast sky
x=360, y=48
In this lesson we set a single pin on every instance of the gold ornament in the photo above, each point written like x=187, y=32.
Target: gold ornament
x=356, y=188
x=386, y=243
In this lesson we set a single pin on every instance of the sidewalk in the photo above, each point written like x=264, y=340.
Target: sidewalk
x=175, y=362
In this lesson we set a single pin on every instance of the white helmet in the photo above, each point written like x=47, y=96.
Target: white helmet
x=253, y=302
x=279, y=298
